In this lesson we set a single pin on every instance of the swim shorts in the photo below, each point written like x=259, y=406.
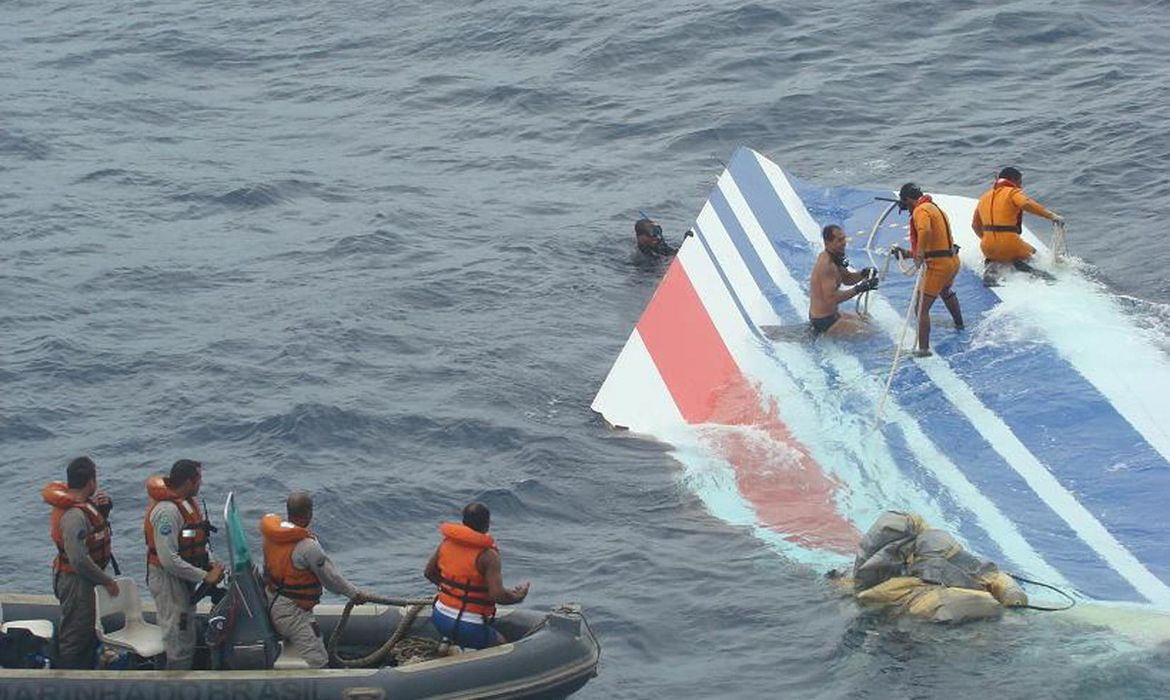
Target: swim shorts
x=470, y=634
x=823, y=324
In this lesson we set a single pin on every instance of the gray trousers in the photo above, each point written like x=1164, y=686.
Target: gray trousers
x=299, y=629
x=76, y=639
x=176, y=617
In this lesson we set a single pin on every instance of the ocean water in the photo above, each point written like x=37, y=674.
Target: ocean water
x=381, y=251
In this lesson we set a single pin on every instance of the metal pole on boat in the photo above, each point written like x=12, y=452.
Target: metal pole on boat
x=914, y=298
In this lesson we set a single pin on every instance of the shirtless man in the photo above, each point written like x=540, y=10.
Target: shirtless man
x=829, y=274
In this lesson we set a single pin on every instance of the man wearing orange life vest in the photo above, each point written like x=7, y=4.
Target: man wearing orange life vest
x=467, y=569
x=931, y=245
x=177, y=559
x=296, y=569
x=999, y=219
x=79, y=528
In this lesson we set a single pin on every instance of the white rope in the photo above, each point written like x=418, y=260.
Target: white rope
x=899, y=346
x=1058, y=246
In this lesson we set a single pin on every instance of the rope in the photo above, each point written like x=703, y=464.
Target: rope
x=378, y=656
x=863, y=298
x=1058, y=245
x=898, y=350
x=1071, y=601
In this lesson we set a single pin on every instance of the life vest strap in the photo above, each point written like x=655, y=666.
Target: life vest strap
x=276, y=585
x=292, y=590
x=466, y=599
x=996, y=228
x=944, y=253
x=296, y=596
x=191, y=546
x=462, y=585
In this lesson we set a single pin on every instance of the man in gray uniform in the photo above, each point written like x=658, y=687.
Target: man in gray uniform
x=296, y=569
x=79, y=528
x=177, y=560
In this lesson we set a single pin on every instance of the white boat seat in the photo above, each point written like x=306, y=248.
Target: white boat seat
x=136, y=634
x=39, y=628
x=289, y=658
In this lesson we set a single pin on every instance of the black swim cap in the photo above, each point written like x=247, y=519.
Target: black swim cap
x=910, y=191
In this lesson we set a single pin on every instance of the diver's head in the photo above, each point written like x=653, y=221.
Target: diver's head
x=908, y=195
x=1011, y=174
x=647, y=231
x=834, y=238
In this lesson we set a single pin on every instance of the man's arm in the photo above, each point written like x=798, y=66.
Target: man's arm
x=432, y=570
x=490, y=566
x=977, y=223
x=1031, y=206
x=309, y=555
x=166, y=523
x=74, y=530
x=853, y=277
x=925, y=233
x=826, y=281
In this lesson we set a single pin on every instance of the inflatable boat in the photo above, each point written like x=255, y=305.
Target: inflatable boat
x=549, y=655
x=1035, y=434
x=238, y=657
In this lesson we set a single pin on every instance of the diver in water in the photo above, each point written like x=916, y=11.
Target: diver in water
x=651, y=244
x=998, y=221
x=831, y=272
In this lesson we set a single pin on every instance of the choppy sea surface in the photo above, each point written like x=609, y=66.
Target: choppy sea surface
x=381, y=251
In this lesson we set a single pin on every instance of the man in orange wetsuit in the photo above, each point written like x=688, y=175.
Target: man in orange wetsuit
x=467, y=569
x=932, y=246
x=999, y=219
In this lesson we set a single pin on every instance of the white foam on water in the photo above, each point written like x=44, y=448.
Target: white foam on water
x=713, y=479
x=1086, y=324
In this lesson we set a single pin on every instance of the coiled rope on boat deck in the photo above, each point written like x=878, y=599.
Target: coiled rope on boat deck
x=378, y=657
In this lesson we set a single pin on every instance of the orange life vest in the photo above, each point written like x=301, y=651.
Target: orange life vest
x=56, y=494
x=461, y=586
x=193, y=533
x=936, y=248
x=998, y=211
x=280, y=539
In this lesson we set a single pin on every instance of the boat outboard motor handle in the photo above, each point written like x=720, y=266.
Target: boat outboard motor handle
x=238, y=629
x=208, y=590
